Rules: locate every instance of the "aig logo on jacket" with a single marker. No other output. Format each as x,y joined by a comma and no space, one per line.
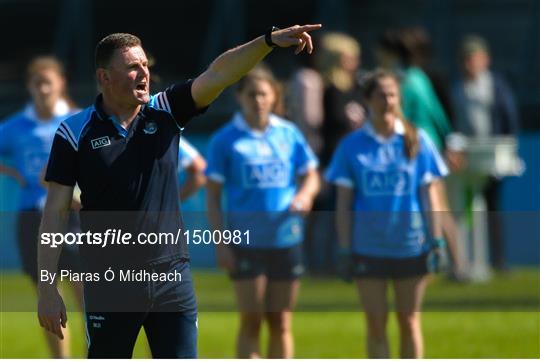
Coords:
100,142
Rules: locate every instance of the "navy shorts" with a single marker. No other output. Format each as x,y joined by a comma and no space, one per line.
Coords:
383,267
27,238
280,264
116,311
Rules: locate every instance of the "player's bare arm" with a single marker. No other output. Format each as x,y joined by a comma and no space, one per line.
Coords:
224,256
310,186
195,178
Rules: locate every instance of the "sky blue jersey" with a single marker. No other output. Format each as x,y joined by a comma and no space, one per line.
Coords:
25,144
258,170
387,210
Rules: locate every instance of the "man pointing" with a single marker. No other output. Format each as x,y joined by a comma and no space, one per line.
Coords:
123,153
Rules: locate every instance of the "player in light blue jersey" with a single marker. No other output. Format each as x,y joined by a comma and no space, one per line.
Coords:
268,174
381,171
25,143
191,162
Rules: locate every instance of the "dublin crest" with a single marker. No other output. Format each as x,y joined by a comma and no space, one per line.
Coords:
150,128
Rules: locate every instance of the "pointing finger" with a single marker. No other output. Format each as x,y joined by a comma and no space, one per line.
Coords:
306,28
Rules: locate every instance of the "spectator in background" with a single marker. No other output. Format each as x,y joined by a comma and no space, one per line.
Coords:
324,98
25,142
484,106
418,40
304,103
333,102
268,173
398,50
483,102
339,60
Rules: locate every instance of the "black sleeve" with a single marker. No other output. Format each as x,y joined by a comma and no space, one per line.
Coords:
181,103
62,165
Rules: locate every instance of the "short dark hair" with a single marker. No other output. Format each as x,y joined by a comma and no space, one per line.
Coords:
106,47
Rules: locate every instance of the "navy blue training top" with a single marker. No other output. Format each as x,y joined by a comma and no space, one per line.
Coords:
127,177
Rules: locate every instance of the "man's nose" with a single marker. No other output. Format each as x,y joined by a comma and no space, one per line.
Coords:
44,89
144,71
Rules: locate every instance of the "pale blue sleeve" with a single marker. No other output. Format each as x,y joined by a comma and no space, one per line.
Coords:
217,158
339,171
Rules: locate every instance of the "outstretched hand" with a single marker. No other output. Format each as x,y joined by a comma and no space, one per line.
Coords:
295,36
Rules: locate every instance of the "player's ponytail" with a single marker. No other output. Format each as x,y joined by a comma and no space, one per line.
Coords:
411,141
410,138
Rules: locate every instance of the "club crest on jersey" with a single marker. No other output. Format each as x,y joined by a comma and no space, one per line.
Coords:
150,128
100,142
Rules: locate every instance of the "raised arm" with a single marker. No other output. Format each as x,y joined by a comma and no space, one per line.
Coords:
232,65
51,309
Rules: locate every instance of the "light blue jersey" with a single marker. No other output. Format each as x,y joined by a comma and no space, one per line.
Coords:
387,209
25,144
186,154
259,171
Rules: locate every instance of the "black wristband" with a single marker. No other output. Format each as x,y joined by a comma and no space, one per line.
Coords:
268,37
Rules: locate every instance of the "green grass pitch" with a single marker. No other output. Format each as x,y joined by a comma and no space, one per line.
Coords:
498,319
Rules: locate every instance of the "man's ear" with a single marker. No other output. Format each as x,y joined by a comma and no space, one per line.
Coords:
102,76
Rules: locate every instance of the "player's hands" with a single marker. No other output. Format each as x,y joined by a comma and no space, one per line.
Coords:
225,258
301,203
52,311
295,36
435,260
